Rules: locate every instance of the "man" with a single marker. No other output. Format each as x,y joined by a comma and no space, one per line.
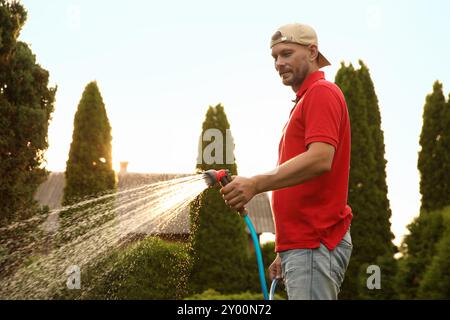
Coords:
310,183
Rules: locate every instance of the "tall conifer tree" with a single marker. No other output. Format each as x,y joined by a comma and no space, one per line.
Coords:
218,237
433,160
421,248
372,237
89,167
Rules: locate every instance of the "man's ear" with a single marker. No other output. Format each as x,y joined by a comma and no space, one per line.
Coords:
313,52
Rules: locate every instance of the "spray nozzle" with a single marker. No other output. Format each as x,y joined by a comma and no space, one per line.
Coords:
222,176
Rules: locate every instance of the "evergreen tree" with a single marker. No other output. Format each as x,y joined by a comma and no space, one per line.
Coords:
381,189
371,234
421,247
433,162
218,238
89,167
26,104
385,256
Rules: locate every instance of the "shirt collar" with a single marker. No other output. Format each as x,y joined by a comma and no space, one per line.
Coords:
310,79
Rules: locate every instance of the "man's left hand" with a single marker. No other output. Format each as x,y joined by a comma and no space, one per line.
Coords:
239,192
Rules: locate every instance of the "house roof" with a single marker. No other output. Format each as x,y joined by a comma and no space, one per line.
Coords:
260,213
50,193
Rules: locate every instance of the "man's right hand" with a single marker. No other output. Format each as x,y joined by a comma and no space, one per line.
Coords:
275,268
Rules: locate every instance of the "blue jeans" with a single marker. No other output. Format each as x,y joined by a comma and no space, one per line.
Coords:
316,274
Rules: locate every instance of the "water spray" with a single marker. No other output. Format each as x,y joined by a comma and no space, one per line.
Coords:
223,177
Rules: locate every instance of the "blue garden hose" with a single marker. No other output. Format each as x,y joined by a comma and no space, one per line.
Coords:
272,289
223,177
262,276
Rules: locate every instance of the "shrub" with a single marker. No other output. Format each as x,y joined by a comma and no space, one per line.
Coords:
149,269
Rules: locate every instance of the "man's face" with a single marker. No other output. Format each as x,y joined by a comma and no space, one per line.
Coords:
291,63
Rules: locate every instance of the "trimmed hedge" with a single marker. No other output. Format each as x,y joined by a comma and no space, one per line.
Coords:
211,294
149,269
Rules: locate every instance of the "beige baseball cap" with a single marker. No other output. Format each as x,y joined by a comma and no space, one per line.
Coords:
301,34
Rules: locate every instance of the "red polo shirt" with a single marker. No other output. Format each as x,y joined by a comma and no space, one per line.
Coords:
315,211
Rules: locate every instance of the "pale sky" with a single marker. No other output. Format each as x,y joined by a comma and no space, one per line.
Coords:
160,64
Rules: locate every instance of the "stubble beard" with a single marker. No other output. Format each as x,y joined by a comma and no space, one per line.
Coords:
296,78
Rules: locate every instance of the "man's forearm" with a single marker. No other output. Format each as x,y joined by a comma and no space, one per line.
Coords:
297,170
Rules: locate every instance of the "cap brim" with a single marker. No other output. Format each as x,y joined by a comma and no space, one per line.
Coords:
323,62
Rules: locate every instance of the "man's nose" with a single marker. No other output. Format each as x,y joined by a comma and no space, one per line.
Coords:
278,64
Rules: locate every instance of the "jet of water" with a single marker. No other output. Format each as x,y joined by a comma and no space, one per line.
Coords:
90,230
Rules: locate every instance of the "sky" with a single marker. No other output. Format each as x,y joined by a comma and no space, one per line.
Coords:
160,64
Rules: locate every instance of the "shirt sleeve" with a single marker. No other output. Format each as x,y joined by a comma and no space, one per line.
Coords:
322,114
